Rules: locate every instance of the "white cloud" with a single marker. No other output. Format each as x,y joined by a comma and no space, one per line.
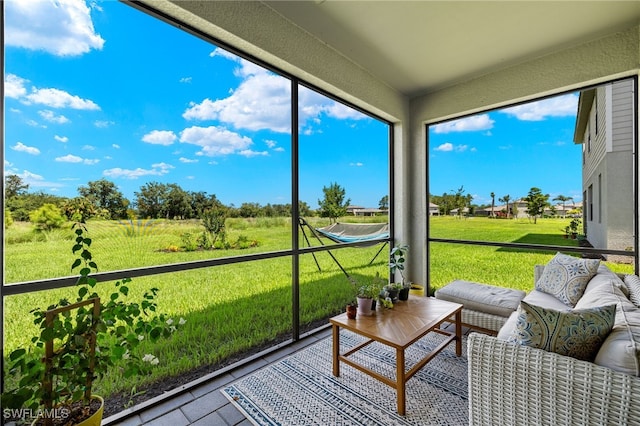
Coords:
102,124
262,101
62,27
215,140
160,137
115,145
467,124
88,148
560,106
62,139
445,147
69,159
251,153
357,164
75,159
14,86
187,160
57,98
186,79
448,147
270,143
24,148
158,169
53,117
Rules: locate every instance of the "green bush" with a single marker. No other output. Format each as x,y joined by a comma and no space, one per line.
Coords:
8,220
47,217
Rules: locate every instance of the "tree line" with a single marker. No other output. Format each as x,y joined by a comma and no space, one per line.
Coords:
101,199
537,203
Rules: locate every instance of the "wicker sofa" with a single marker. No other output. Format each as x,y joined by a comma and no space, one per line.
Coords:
513,384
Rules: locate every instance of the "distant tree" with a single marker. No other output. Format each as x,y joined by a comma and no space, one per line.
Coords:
250,210
78,209
24,203
459,201
536,202
200,202
47,217
493,203
14,186
383,204
104,195
177,203
333,205
303,209
151,199
563,199
506,200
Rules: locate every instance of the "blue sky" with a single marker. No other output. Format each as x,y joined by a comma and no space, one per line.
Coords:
509,151
101,90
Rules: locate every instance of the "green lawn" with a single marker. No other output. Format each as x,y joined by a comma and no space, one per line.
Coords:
232,308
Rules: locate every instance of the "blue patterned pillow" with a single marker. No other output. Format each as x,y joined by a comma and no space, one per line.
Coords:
566,277
578,333
633,285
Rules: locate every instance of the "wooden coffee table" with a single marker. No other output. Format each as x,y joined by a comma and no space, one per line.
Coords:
399,328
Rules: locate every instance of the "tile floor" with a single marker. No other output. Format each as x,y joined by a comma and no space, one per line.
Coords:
201,403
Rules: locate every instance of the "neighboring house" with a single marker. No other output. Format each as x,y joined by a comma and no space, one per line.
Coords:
605,128
364,211
434,209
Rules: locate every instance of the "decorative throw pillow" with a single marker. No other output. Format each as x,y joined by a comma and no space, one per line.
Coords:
578,333
566,277
633,285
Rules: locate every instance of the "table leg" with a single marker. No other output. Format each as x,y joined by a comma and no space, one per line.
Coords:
400,381
336,350
459,333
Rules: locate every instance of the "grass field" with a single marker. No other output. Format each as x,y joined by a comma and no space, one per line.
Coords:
232,308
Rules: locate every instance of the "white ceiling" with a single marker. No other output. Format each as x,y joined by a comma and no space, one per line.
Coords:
420,46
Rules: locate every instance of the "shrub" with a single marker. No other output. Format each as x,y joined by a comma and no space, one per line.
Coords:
47,217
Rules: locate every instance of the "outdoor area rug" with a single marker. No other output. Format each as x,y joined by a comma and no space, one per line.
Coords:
301,389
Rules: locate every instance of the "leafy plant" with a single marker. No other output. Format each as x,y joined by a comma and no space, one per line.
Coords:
368,289
397,258
84,340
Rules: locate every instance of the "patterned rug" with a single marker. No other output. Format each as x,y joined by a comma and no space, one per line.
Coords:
301,389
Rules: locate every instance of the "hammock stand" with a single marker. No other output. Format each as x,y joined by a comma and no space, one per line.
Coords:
365,234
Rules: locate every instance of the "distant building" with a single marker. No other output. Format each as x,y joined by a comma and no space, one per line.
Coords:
364,211
434,209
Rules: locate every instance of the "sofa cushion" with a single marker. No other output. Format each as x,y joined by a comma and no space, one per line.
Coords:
633,286
482,297
621,349
566,277
575,333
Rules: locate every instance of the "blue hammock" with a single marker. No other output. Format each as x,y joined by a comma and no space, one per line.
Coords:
355,232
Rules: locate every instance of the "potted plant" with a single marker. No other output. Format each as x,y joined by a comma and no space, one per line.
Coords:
397,258
366,293
81,341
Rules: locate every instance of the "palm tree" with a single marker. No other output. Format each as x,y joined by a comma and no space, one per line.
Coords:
493,203
563,199
506,199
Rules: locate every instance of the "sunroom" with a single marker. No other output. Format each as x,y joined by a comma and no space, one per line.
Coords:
398,72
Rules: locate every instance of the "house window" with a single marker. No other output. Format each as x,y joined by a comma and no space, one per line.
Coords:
599,200
590,201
